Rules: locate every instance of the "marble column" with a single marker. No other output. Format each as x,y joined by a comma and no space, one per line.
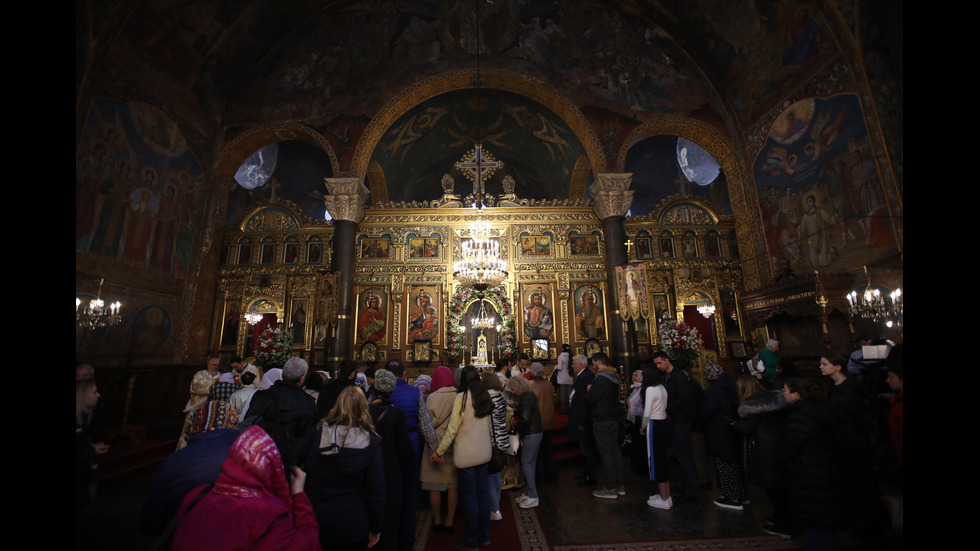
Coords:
345,203
612,201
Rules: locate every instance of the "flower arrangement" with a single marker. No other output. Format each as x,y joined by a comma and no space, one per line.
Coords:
496,296
679,341
275,347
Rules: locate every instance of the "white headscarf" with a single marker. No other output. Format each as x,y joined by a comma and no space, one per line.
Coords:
271,376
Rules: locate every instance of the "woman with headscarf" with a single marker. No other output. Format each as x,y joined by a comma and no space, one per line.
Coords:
469,433
424,383
501,440
722,441
396,450
211,415
527,422
252,505
346,474
440,477
269,379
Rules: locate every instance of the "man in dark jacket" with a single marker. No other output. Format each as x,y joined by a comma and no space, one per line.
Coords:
607,413
579,424
346,374
285,411
682,411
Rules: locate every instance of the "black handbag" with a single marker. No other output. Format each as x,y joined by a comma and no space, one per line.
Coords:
497,460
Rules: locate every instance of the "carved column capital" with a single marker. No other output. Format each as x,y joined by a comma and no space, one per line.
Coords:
345,199
612,194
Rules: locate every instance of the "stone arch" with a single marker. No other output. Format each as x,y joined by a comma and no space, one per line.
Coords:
238,150
460,80
747,223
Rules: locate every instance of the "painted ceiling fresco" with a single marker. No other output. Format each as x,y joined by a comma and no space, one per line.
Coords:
236,64
537,147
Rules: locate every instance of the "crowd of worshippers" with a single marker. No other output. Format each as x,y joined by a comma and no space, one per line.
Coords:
294,458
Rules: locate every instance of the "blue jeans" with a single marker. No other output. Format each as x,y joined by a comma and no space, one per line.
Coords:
607,442
474,494
529,462
493,481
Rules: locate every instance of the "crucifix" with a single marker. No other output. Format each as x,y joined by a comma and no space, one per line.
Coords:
274,185
629,247
477,167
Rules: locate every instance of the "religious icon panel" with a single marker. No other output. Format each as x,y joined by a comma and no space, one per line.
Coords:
538,317
372,315
590,313
424,306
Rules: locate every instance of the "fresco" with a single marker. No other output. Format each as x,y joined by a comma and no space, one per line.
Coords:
537,147
135,185
821,198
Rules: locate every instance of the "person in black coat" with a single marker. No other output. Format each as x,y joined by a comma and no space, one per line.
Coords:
396,455
848,415
761,416
813,473
723,442
579,422
285,411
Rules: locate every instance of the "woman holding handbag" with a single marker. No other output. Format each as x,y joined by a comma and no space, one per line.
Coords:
469,434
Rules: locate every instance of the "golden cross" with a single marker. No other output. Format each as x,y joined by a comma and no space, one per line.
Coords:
629,248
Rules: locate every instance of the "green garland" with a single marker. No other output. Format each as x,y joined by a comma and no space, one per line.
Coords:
496,296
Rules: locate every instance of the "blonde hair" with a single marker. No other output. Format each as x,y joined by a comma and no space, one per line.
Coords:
519,385
83,414
351,410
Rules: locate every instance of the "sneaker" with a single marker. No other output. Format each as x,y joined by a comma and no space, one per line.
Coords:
621,490
495,515
521,499
529,503
726,503
606,493
658,502
776,530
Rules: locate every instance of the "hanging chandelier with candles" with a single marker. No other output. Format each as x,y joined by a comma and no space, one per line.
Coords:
872,304
482,320
480,265
706,309
95,313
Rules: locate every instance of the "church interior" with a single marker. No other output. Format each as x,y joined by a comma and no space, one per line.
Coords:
322,170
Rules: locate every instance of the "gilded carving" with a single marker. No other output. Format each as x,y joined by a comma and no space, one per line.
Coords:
612,194
346,198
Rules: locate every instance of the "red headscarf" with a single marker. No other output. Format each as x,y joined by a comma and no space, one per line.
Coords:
441,377
254,469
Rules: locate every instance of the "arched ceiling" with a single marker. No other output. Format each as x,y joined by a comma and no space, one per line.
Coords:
348,70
